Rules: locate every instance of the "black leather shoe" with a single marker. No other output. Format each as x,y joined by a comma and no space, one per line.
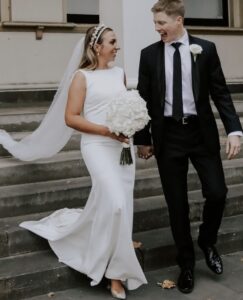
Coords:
185,281
213,260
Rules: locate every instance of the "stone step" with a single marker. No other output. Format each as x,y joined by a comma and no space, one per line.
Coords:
43,196
43,98
18,99
221,129
237,96
26,119
159,250
66,164
149,213
238,107
21,119
20,276
39,196
72,144
49,195
152,212
34,274
208,286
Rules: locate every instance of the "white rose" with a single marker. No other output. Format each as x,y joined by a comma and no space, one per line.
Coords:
195,50
127,113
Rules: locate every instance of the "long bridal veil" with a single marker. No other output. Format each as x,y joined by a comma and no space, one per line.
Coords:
52,134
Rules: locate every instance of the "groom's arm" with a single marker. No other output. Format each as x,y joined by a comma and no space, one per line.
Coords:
221,97
220,94
143,137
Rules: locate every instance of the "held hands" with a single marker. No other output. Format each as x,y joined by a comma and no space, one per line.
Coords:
232,146
145,152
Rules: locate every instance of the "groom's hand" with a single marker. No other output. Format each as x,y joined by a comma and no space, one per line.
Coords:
232,146
145,152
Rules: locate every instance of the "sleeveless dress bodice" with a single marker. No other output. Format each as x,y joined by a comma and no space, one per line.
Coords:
102,88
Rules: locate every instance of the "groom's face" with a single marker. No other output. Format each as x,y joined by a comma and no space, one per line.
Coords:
170,28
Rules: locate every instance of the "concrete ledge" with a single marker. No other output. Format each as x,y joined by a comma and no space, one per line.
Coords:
215,30
31,95
49,27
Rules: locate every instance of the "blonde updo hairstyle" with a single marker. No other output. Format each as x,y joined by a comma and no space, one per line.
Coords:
89,59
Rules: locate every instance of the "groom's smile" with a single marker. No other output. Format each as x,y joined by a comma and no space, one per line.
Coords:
163,35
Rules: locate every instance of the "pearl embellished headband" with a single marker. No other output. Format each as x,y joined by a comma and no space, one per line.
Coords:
96,34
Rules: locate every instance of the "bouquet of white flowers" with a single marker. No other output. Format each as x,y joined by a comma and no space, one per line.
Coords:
127,114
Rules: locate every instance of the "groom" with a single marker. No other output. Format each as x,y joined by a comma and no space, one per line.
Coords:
176,79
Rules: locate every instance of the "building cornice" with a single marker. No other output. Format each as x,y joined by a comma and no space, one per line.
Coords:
215,30
82,28
45,27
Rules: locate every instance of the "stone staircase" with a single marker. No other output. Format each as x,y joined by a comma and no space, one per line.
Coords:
30,191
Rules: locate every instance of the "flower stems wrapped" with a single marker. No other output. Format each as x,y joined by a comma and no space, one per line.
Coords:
126,156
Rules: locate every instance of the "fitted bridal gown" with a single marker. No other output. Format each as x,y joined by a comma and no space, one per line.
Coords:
97,240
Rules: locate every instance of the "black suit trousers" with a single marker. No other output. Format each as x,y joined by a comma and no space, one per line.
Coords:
182,143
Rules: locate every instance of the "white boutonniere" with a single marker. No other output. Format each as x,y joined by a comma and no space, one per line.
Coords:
195,50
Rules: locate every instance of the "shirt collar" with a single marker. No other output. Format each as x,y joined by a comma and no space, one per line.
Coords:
184,39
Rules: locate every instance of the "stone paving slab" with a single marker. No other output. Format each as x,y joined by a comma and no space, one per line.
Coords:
208,286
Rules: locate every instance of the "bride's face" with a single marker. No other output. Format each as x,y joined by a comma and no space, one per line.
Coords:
108,48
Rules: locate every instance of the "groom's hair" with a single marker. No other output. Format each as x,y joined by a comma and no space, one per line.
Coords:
170,7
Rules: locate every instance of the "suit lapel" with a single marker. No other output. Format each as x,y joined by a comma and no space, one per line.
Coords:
195,73
161,72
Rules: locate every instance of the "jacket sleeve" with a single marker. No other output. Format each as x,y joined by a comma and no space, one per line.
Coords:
143,137
221,95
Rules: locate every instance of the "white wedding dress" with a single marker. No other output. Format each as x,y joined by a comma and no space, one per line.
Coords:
97,240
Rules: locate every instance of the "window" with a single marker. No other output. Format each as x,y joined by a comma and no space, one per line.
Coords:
207,12
33,11
83,12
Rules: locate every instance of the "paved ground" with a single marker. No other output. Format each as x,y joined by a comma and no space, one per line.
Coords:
208,286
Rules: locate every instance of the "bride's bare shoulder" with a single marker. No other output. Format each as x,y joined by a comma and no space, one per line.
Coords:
77,84
79,78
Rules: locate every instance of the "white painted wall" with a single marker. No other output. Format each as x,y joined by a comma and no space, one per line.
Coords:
139,32
28,63
230,50
133,22
115,21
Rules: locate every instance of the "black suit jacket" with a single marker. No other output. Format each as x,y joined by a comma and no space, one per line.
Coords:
207,79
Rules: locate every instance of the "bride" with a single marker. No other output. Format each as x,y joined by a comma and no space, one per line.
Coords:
97,240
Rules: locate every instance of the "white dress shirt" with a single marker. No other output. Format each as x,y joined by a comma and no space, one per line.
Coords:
189,107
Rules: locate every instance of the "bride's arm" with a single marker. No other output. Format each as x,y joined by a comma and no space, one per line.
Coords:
74,108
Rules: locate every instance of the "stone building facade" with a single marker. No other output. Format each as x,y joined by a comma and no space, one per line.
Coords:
37,36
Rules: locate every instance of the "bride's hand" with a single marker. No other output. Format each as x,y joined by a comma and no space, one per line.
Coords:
121,138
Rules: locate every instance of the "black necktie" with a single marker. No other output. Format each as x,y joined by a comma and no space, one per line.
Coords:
177,107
